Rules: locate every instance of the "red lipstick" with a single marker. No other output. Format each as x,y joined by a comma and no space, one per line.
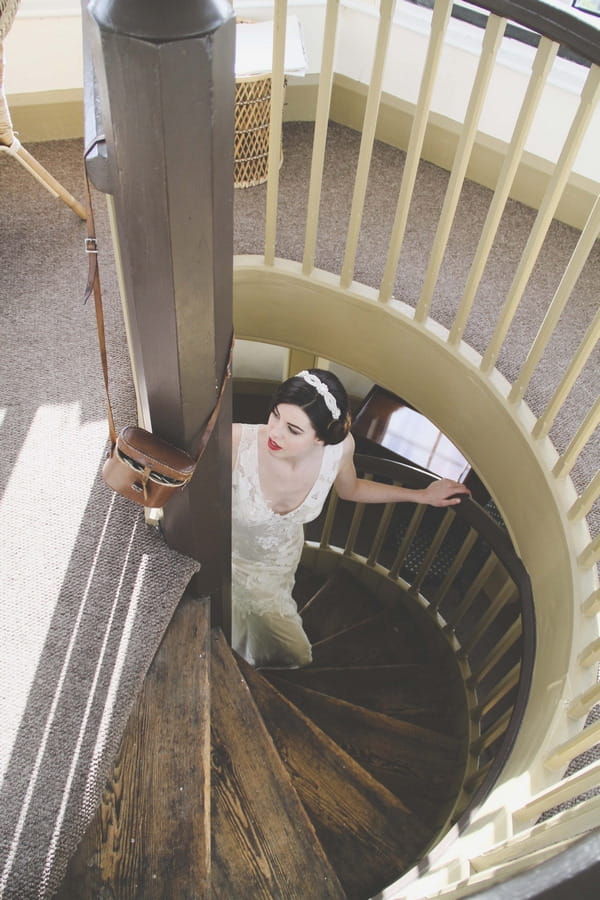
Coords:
272,445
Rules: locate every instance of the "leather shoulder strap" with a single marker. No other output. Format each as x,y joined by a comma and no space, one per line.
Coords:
93,287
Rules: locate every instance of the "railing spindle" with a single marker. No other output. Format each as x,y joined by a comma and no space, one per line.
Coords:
439,23
506,642
581,705
567,751
578,442
504,686
542,64
578,361
590,654
277,96
411,531
591,607
381,533
585,779
583,505
491,44
491,735
476,586
366,143
556,185
320,136
584,246
432,551
502,598
591,555
457,564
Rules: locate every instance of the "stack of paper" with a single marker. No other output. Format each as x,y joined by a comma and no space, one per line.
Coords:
254,48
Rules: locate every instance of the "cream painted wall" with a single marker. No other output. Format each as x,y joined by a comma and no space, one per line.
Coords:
43,48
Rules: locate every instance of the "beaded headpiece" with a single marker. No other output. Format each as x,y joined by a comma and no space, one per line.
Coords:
323,390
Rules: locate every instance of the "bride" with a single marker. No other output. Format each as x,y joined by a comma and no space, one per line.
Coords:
282,474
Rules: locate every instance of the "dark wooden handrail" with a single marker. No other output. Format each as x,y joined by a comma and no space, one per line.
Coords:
577,31
499,542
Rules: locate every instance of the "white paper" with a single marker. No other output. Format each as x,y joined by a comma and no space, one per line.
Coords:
254,48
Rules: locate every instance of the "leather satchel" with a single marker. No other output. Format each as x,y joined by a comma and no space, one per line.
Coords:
140,465
145,468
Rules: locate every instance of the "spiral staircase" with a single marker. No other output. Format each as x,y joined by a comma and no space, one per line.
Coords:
439,744
330,780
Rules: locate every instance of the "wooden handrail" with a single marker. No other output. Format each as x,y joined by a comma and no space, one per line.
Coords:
501,724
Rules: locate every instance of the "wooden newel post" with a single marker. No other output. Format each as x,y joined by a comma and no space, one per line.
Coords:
160,77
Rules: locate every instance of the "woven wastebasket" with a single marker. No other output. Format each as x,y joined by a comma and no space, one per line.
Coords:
252,125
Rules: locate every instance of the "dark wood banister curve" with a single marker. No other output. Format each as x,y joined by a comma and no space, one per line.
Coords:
580,33
476,517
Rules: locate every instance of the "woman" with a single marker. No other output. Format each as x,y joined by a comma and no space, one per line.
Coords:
282,474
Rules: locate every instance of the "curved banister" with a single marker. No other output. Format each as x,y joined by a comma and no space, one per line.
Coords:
578,32
506,721
541,494
468,510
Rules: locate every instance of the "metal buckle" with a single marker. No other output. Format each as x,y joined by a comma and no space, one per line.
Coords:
91,245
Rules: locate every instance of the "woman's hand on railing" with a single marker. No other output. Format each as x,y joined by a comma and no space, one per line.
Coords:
444,493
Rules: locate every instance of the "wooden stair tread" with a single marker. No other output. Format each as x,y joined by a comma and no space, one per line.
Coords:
354,603
369,835
263,843
407,691
306,585
151,830
385,638
415,763
421,767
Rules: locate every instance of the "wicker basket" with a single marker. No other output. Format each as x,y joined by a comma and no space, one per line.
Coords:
252,122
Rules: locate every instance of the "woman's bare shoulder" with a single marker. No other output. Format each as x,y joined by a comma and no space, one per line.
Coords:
348,446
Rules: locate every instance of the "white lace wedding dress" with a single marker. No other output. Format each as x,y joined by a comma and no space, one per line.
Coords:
266,550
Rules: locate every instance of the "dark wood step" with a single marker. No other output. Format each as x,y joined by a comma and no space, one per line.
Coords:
150,835
384,639
341,602
410,692
307,583
369,835
263,843
422,766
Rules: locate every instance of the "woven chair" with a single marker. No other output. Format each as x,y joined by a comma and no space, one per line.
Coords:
9,142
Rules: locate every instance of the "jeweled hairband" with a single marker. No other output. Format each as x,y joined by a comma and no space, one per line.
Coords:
324,391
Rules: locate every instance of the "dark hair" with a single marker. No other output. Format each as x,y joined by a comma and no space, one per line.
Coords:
297,392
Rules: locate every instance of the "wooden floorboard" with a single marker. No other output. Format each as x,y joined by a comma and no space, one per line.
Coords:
150,837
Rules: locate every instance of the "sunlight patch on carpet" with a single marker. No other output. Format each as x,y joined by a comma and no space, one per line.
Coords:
50,486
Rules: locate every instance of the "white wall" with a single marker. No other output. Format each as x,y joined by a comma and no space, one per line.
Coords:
43,51
43,48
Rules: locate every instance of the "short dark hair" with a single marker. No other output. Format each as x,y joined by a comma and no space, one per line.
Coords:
297,392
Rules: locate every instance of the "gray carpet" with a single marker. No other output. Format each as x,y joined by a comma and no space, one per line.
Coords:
87,589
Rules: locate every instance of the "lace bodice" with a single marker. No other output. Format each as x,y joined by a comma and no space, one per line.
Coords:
266,546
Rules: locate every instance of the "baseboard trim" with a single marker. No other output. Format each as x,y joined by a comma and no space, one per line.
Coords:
348,101
47,115
58,115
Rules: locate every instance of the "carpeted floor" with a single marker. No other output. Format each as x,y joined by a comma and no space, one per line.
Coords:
87,588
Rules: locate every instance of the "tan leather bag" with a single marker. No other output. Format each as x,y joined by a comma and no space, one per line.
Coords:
141,465
146,469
